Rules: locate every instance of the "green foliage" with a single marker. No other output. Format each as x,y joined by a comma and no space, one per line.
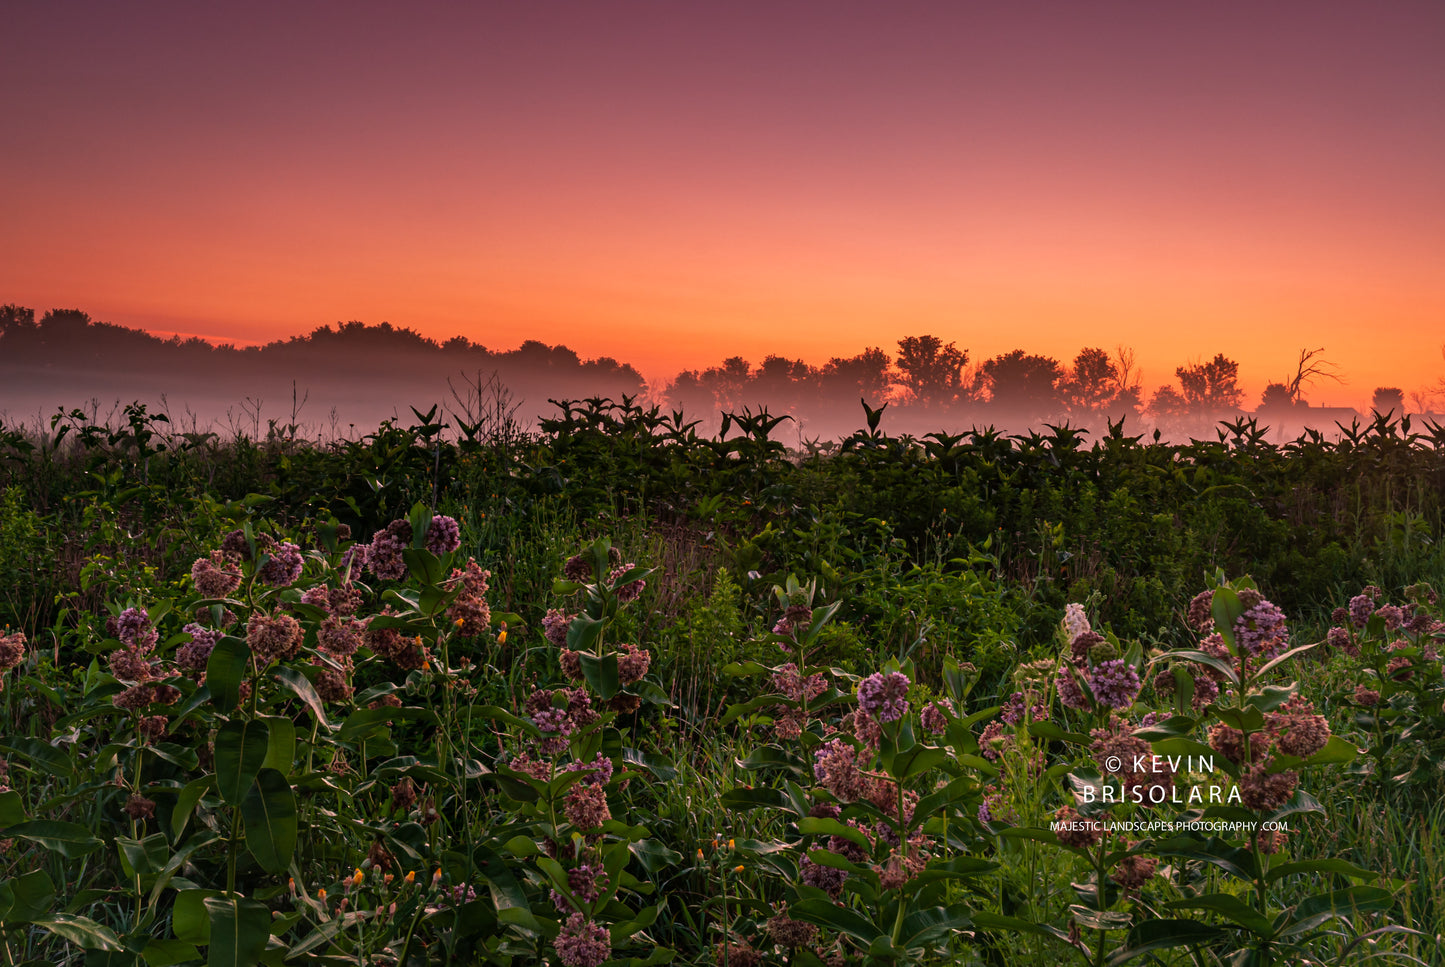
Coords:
434,776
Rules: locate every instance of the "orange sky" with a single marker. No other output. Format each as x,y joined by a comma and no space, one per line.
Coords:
673,183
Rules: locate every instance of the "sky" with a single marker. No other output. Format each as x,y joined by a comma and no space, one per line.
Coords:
670,182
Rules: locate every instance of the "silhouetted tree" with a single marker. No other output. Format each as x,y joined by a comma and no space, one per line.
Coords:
1211,387
728,383
1309,369
931,373
1276,399
16,319
1023,384
688,393
1091,383
783,384
1388,399
864,375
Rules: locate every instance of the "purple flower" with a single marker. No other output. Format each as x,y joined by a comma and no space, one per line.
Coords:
383,557
554,626
1017,707
795,617
1393,616
194,655
1361,607
1260,630
444,535
133,627
630,591
1115,683
884,695
1070,694
553,720
583,943
599,770
460,894
283,565
935,715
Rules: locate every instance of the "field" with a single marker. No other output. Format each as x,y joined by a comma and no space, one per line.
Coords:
614,692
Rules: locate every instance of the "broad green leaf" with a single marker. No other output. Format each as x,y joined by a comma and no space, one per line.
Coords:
927,926
916,760
984,920
240,928
165,953
1152,935
823,826
226,670
601,673
269,816
241,747
1231,907
506,889
70,840
1175,726
425,566
363,723
827,914
1320,866
280,744
143,856
1274,662
753,799
190,920
26,897
583,633
1092,919
81,931
41,755
304,690
186,803
1348,902
654,856
12,808
660,766
1048,730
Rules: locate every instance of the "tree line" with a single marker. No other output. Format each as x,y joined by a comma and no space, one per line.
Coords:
925,377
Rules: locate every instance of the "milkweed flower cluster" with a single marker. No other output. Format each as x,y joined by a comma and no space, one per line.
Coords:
216,575
443,536
1114,683
554,626
1260,631
630,591
283,565
884,695
583,942
12,653
1023,706
469,612
586,881
273,637
384,553
1091,672
794,617
407,653
1120,754
131,662
194,654
558,713
936,715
